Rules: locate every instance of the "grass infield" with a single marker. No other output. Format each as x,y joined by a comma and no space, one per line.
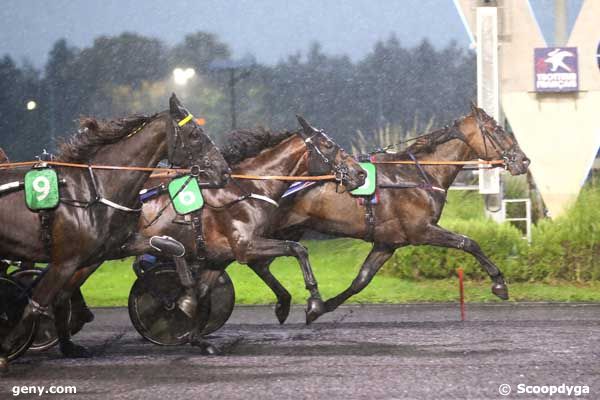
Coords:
335,263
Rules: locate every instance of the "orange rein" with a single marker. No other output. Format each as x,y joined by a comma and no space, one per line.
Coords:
408,162
165,172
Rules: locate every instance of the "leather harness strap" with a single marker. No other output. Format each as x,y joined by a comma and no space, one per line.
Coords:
369,218
198,235
46,218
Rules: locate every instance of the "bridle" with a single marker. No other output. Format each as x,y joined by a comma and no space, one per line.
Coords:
196,166
340,170
508,154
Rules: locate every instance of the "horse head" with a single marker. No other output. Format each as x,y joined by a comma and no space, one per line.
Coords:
327,157
189,146
490,141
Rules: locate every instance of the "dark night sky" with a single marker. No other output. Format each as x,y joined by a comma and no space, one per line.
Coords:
268,29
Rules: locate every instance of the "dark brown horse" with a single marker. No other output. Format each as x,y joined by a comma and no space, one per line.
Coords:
238,223
403,217
99,209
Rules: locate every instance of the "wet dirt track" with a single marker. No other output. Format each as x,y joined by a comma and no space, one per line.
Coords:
371,352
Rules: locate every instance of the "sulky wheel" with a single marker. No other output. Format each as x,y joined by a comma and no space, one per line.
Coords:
154,312
13,300
222,300
45,336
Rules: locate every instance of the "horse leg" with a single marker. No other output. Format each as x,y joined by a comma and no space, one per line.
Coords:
379,254
43,295
438,236
284,298
4,268
204,285
261,248
80,310
61,313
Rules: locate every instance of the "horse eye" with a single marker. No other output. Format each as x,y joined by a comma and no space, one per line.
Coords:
327,144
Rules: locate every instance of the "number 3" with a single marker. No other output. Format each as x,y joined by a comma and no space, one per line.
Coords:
41,185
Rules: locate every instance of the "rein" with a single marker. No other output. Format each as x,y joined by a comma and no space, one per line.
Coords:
166,171
408,162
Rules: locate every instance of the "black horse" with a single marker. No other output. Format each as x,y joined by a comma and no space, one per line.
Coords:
98,209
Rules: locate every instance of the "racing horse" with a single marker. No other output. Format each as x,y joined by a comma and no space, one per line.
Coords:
98,209
24,276
238,220
411,200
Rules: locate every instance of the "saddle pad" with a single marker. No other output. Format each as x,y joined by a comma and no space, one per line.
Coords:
185,194
149,194
368,188
296,187
41,189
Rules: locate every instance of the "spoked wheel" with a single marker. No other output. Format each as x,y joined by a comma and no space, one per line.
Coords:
153,306
45,336
13,300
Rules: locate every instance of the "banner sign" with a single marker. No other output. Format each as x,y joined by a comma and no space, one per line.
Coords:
556,69
41,189
368,188
185,194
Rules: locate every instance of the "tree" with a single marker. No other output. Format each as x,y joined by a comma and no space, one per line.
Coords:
197,51
22,131
62,87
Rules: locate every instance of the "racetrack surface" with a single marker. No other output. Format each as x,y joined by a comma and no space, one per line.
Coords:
369,351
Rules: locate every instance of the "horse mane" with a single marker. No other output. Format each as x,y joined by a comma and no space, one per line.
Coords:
245,143
428,142
93,134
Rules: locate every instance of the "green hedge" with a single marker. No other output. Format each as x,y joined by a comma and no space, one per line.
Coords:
566,248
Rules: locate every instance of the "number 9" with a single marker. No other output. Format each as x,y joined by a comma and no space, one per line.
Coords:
41,185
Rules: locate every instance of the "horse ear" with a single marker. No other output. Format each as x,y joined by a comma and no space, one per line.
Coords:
308,129
474,108
176,108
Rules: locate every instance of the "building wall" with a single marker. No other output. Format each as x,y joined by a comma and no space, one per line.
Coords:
559,132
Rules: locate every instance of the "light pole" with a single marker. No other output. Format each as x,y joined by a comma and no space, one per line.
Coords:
244,66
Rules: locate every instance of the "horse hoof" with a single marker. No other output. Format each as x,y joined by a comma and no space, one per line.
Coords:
206,348
314,310
85,315
3,365
72,350
500,290
282,311
188,304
